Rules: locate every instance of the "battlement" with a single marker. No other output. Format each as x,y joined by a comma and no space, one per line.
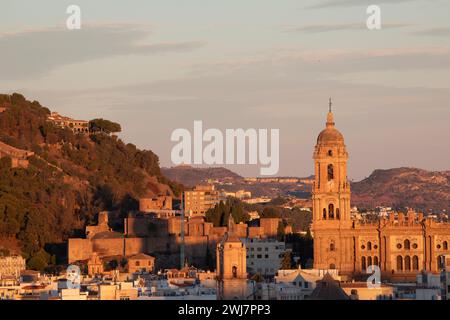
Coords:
19,157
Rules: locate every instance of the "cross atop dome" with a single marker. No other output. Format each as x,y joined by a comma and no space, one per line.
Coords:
330,117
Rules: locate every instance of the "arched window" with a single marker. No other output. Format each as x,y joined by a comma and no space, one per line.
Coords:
399,263
407,244
415,263
369,261
445,245
324,214
407,263
338,214
375,261
331,211
439,262
369,245
363,264
332,248
330,172
234,272
330,153
332,266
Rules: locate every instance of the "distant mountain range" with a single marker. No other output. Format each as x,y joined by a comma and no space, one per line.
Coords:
404,187
428,191
191,176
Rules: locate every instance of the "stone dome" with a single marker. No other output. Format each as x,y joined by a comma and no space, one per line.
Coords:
330,135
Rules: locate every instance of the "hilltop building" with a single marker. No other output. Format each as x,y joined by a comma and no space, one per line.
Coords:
77,126
401,247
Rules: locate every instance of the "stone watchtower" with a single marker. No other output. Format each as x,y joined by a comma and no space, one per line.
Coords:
231,255
332,224
232,266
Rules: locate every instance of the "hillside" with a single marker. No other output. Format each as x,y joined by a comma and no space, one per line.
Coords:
404,187
190,176
69,179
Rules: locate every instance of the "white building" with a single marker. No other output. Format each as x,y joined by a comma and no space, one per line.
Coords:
73,294
296,284
264,256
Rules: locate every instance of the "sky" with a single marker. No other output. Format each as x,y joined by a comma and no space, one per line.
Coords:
158,65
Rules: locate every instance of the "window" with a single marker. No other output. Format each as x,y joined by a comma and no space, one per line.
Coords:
259,256
375,261
415,263
407,263
324,213
330,172
363,264
331,211
234,270
399,246
330,153
369,245
332,248
338,214
332,266
399,263
445,245
369,261
266,256
407,244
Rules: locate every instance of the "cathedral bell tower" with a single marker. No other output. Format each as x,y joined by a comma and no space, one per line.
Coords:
331,200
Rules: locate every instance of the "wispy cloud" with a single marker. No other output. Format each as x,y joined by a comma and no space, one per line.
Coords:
437,32
35,52
350,3
318,28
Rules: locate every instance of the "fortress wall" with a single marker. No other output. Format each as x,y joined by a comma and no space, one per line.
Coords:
270,226
135,246
108,247
78,249
241,230
160,244
137,226
255,232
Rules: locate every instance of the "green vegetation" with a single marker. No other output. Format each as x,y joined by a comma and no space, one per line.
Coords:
220,214
288,261
106,126
71,178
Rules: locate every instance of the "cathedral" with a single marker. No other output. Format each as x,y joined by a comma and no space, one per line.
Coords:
401,245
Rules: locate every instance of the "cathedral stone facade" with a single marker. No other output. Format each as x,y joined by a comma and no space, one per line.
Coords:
402,245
